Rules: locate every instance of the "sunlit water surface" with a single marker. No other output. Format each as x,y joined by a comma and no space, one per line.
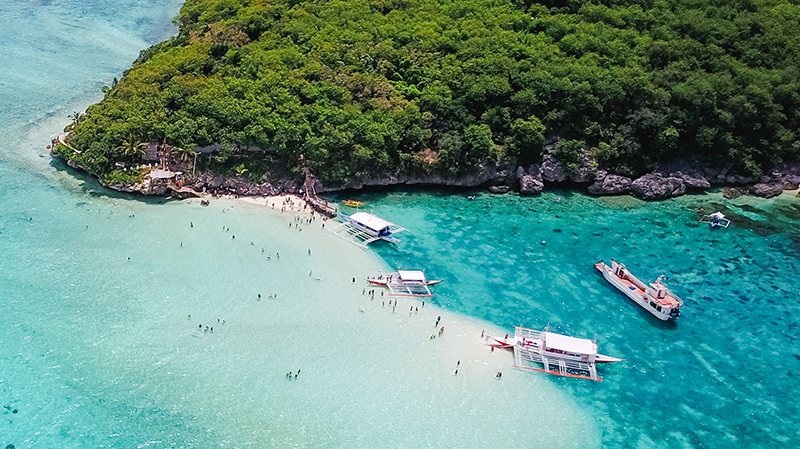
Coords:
102,297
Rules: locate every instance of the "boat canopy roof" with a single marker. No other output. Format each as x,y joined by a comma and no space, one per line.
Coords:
411,275
569,344
371,221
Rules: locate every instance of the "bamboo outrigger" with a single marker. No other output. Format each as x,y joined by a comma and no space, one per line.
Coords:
558,354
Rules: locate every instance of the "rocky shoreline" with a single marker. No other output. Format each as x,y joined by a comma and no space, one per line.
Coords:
665,181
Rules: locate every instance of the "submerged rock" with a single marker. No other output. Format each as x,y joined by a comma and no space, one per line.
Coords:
656,186
733,192
500,189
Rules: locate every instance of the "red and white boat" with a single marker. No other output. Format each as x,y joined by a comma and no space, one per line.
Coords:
656,298
558,354
405,283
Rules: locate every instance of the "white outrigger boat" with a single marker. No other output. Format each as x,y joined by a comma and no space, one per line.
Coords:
570,356
405,283
363,228
655,298
716,219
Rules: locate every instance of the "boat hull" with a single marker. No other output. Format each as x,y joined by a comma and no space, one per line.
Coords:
382,282
636,295
371,232
511,342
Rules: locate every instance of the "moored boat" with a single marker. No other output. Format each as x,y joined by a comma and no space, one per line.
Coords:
405,283
373,227
655,298
570,356
716,219
353,203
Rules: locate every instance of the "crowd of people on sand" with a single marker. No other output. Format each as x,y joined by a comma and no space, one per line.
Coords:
414,309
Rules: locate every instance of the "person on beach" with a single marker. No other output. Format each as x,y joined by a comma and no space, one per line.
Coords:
439,318
441,331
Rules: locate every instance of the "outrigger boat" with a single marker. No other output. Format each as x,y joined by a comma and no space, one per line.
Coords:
405,283
570,356
716,219
353,203
363,228
655,298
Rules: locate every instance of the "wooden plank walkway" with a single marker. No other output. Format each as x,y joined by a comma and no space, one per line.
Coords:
316,203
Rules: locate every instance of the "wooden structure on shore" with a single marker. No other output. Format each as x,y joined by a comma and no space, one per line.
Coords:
316,203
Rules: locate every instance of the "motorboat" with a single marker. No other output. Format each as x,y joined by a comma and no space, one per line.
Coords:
656,298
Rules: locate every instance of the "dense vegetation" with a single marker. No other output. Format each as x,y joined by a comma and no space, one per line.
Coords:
442,85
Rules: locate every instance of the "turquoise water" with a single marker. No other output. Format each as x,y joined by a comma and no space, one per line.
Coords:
716,378
101,296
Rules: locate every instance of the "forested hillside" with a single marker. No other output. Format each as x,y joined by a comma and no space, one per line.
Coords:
442,85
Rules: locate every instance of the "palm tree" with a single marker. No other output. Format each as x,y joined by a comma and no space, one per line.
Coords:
132,147
240,170
75,117
185,153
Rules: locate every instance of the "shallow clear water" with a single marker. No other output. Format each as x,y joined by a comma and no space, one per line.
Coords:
101,296
716,378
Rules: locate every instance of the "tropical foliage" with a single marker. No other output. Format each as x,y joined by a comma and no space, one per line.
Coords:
378,85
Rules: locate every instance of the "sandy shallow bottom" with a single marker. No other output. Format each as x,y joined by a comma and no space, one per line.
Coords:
121,344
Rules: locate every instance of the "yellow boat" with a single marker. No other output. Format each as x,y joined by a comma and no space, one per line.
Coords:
353,203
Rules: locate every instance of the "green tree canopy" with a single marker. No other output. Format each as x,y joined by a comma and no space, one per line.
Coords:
369,85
